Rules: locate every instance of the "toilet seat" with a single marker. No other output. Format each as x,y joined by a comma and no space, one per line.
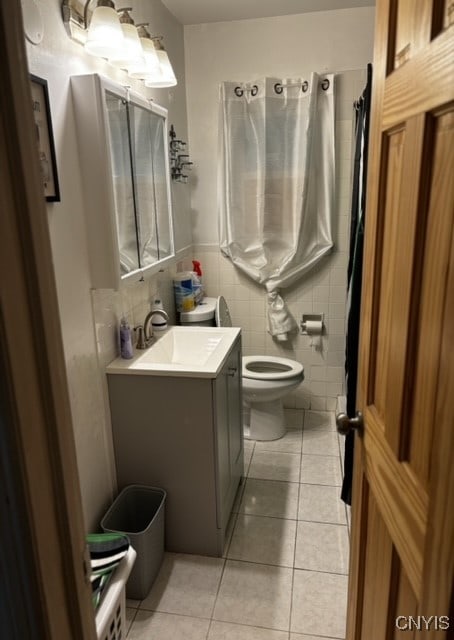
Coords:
270,368
222,314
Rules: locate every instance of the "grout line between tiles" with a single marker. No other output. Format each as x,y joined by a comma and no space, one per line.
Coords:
175,613
330,573
131,622
296,531
335,524
317,484
255,626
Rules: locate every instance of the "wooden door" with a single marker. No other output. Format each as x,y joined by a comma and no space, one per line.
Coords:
401,566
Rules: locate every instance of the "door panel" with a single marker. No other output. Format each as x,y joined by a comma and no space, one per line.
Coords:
402,526
448,14
430,314
378,568
405,600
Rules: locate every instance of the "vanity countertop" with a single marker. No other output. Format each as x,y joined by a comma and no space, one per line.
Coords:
197,352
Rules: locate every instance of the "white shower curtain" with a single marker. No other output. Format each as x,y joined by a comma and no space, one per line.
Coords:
276,182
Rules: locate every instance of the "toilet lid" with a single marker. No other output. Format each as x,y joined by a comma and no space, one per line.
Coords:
270,368
222,313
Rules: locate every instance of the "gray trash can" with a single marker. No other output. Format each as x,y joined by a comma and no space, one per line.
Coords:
138,511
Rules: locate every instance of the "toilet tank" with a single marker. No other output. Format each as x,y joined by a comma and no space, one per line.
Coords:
202,316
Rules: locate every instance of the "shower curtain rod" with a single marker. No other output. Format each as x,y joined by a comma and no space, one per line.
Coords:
278,87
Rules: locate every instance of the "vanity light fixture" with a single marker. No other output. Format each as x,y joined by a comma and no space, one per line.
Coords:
149,66
114,37
165,77
131,52
104,36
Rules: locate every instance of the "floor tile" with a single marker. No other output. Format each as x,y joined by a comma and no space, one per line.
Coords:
162,626
249,445
255,594
322,443
316,469
319,604
248,451
229,631
289,443
270,498
321,420
186,584
130,614
342,452
319,503
294,418
238,497
267,540
228,533
133,604
271,465
322,547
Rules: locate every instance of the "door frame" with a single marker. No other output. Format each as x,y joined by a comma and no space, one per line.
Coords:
42,535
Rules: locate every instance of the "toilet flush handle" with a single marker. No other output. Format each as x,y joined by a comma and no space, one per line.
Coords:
231,371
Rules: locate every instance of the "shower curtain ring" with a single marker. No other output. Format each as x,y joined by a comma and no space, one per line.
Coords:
278,87
238,91
325,84
254,90
305,86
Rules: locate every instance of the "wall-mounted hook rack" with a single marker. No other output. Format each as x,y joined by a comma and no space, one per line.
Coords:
179,162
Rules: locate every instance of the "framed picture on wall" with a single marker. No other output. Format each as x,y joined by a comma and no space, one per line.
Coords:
45,138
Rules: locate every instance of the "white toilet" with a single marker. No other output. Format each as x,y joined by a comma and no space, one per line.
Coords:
265,379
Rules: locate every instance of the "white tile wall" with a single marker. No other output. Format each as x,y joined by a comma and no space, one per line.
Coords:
321,291
134,302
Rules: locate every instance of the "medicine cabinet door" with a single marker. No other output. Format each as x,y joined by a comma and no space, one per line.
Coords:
122,182
161,172
151,184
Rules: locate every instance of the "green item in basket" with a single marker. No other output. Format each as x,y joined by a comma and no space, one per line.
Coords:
106,552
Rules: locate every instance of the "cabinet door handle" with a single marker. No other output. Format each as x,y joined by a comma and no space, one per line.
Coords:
231,371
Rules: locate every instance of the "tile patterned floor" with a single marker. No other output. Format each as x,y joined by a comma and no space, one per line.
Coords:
284,571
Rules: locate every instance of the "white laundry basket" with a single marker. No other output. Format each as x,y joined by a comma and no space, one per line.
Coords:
111,614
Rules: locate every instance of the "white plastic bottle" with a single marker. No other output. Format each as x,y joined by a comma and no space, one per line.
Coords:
126,349
158,321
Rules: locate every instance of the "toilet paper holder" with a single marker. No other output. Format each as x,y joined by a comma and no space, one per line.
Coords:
312,317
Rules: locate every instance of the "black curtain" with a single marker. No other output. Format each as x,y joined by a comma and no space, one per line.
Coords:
355,271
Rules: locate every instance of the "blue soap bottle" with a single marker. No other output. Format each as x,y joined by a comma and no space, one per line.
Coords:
126,349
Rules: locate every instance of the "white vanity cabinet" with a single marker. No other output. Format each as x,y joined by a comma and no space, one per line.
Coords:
124,157
183,433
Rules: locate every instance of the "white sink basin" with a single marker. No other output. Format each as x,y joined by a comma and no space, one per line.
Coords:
181,351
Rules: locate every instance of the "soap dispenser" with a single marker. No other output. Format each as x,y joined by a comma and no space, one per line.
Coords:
126,349
158,320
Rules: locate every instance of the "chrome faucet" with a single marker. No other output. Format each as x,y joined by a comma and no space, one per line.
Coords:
145,333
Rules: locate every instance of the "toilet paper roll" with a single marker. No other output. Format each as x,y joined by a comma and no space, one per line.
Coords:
314,328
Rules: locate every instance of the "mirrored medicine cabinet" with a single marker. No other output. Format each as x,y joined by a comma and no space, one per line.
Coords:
123,148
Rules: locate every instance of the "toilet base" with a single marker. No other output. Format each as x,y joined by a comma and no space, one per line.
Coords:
266,421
